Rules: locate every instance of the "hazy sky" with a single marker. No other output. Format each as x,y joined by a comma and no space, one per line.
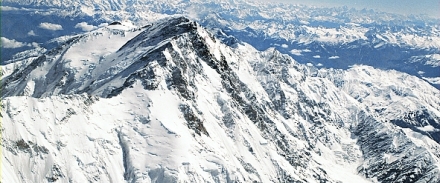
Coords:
429,7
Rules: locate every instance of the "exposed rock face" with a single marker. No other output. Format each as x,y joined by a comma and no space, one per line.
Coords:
170,103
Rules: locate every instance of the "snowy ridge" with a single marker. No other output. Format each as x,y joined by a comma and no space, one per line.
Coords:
169,102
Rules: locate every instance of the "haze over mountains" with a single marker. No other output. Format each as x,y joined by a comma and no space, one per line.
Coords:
217,91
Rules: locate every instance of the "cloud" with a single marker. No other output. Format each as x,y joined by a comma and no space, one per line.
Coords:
84,26
103,25
304,22
50,26
295,52
317,56
8,8
31,33
34,44
11,43
333,57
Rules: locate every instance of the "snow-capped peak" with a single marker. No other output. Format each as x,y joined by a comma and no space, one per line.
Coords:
169,102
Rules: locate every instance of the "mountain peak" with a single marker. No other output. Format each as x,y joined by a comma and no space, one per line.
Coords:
98,61
169,102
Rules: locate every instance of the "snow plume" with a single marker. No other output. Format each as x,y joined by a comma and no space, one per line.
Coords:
84,26
197,12
192,12
11,43
50,26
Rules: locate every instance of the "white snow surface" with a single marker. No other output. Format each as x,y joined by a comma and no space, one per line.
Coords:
175,120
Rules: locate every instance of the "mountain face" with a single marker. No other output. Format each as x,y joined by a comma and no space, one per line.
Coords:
173,102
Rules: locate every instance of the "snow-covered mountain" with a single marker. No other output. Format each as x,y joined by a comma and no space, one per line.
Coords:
325,37
171,101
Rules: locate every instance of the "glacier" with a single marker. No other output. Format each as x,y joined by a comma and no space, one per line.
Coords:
175,101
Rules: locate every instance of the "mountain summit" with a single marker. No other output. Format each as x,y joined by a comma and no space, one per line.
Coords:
170,102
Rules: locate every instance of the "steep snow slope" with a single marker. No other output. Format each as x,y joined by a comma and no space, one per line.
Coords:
169,102
73,63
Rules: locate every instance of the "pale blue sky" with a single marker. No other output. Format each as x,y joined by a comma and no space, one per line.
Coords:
429,7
